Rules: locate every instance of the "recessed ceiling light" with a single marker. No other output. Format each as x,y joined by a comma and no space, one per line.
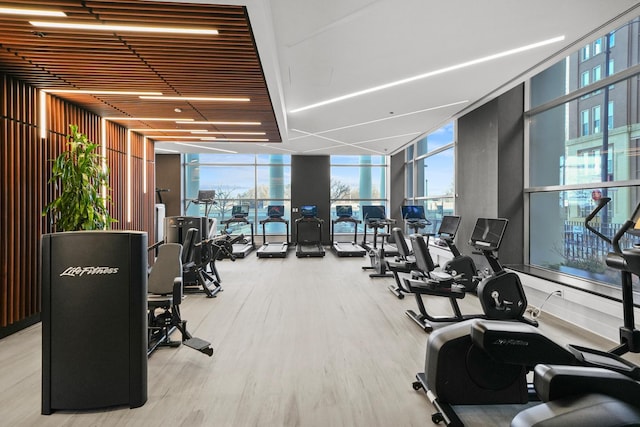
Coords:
124,28
195,98
212,138
207,148
102,92
148,130
206,132
149,119
430,73
184,122
32,12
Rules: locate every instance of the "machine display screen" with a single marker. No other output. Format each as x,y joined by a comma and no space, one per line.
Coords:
275,211
206,195
449,225
488,232
413,212
239,211
344,211
309,211
373,212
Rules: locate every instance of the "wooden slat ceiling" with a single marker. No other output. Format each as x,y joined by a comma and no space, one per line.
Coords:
223,65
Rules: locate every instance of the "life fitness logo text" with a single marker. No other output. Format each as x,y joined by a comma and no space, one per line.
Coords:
88,271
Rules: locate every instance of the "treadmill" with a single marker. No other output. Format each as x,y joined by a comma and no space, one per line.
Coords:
242,247
375,217
311,246
346,249
275,213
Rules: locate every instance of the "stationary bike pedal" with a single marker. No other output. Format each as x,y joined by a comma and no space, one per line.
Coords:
197,344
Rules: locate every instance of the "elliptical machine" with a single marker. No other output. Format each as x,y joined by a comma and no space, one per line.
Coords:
480,362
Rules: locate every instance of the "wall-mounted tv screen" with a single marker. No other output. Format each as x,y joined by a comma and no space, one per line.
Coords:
275,211
239,211
412,212
344,211
488,233
449,225
374,212
309,211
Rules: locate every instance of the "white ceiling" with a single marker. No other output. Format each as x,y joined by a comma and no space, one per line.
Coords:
316,50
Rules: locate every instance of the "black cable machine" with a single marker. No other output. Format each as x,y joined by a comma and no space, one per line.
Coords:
275,214
351,248
242,246
310,247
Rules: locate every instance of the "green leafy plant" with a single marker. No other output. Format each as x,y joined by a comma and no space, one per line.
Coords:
81,176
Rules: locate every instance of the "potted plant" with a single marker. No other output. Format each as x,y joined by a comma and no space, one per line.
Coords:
80,173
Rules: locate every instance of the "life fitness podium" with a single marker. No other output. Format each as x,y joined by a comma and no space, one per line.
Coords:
94,320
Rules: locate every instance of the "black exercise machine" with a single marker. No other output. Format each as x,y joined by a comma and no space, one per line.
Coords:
414,218
405,262
312,246
239,217
275,214
375,218
351,248
460,265
163,302
501,294
479,362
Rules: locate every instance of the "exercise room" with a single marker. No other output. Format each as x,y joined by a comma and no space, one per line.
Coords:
303,213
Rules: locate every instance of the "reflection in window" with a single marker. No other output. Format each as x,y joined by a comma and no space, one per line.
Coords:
559,240
569,145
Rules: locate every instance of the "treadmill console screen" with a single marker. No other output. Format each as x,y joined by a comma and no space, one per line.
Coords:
449,225
240,211
309,211
488,232
373,212
413,212
275,211
206,195
344,211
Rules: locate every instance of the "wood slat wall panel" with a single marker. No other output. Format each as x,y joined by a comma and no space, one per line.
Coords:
24,190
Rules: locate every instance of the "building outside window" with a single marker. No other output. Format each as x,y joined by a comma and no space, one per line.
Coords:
248,180
432,174
577,155
357,181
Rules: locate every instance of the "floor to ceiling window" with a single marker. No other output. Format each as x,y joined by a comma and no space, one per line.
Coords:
357,181
430,174
251,181
583,130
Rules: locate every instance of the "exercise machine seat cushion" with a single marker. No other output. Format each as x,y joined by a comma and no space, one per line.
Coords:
582,410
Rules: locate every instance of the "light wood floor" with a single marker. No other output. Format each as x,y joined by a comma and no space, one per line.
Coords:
298,342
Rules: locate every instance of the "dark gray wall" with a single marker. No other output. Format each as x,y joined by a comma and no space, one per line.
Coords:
396,185
311,185
490,176
168,176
